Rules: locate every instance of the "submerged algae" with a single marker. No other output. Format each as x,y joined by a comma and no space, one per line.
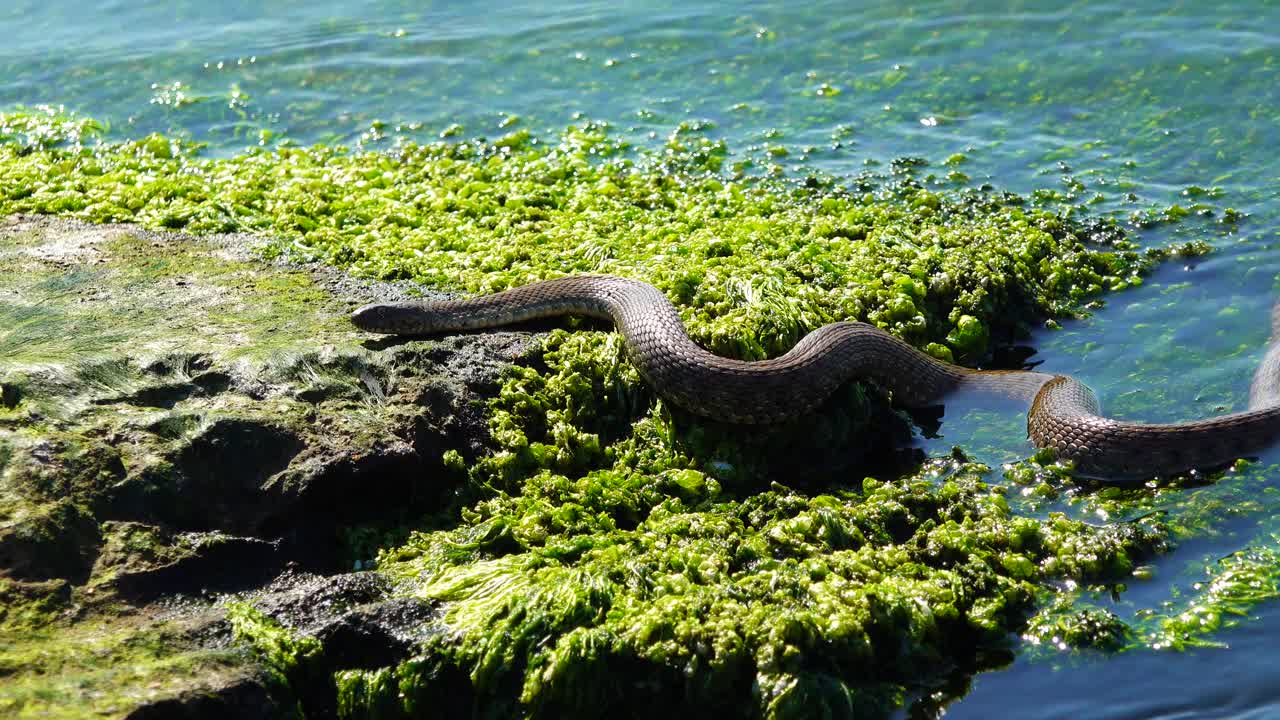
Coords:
1209,593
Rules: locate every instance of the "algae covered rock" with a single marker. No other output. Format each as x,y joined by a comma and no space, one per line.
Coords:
196,449
179,418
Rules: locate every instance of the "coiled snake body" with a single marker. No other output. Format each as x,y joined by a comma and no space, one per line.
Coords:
1063,413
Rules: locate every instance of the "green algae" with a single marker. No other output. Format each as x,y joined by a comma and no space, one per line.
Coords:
607,546
709,596
1232,586
1223,597
1208,595
161,385
100,666
1064,623
753,264
637,552
289,658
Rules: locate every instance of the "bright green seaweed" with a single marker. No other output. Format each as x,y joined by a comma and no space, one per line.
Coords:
805,595
753,264
610,551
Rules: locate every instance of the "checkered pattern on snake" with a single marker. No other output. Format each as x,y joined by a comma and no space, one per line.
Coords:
1063,413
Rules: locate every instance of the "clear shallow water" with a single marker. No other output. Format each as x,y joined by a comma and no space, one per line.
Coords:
1124,105
1212,684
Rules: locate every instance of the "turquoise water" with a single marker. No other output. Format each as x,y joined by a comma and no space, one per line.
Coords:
1121,109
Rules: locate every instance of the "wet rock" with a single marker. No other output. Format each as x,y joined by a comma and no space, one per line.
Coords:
141,562
306,602
245,698
377,635
179,418
47,541
357,621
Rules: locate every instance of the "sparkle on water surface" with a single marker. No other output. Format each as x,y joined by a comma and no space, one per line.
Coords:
1116,108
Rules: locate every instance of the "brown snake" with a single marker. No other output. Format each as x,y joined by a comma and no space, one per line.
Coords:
1063,413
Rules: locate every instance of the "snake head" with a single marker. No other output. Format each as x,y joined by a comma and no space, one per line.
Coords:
400,318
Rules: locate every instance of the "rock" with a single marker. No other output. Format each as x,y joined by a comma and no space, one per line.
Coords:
142,562
162,379
355,616
180,418
305,603
376,635
248,697
49,541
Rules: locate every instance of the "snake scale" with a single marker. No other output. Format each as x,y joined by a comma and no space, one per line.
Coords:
1064,414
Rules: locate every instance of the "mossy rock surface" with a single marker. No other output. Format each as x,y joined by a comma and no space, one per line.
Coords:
181,419
196,448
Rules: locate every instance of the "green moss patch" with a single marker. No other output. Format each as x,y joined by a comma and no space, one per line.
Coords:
103,667
753,264
175,415
148,293
772,605
607,554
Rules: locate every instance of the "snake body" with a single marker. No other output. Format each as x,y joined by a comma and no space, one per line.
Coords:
1064,414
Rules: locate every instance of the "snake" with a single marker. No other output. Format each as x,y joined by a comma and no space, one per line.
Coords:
1064,414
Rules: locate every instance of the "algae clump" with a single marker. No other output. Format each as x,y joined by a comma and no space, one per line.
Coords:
608,554
739,605
753,263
